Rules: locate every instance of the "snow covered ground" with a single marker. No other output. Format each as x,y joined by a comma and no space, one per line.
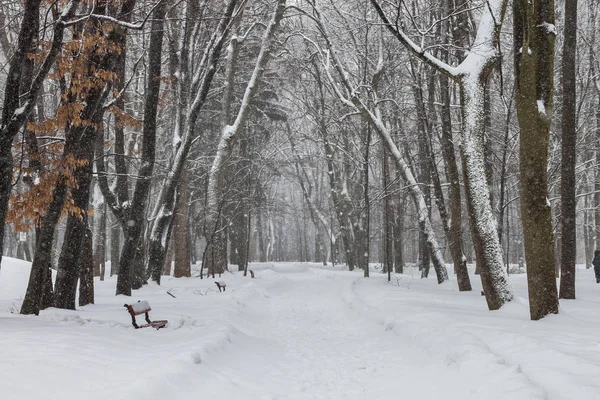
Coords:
300,331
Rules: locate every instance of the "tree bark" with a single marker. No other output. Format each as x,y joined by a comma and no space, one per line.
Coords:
181,231
569,140
534,79
455,241
115,247
86,275
70,256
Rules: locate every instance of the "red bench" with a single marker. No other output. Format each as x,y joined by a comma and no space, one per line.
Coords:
221,285
143,307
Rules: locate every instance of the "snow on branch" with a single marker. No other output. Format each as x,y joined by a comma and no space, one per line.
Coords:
129,25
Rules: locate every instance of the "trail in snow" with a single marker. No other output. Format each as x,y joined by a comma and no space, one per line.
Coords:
301,332
324,343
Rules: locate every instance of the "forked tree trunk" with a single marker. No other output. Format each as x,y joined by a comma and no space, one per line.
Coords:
70,256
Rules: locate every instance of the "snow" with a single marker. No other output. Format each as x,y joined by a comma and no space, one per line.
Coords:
548,28
301,331
541,108
140,307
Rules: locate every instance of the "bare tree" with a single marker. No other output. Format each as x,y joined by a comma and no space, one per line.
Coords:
472,76
569,140
534,35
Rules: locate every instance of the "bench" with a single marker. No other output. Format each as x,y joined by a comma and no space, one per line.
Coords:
221,285
143,307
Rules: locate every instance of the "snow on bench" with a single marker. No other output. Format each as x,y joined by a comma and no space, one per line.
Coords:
143,307
140,307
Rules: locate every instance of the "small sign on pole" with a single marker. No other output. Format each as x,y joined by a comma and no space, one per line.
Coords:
22,236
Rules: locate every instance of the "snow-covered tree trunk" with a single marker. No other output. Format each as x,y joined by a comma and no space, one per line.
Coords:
484,226
216,179
453,176
471,75
374,118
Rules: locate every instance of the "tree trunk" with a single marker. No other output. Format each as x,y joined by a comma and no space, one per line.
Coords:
40,267
130,263
399,237
388,218
534,77
115,247
100,250
16,108
70,257
181,231
569,140
366,231
455,241
86,275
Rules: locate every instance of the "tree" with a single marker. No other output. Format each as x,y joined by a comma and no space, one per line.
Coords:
534,34
214,227
131,214
472,75
16,108
184,134
569,140
352,100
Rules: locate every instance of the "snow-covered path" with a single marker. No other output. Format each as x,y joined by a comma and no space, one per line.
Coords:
302,332
313,347
320,340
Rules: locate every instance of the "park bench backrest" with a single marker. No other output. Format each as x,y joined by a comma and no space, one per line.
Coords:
138,308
